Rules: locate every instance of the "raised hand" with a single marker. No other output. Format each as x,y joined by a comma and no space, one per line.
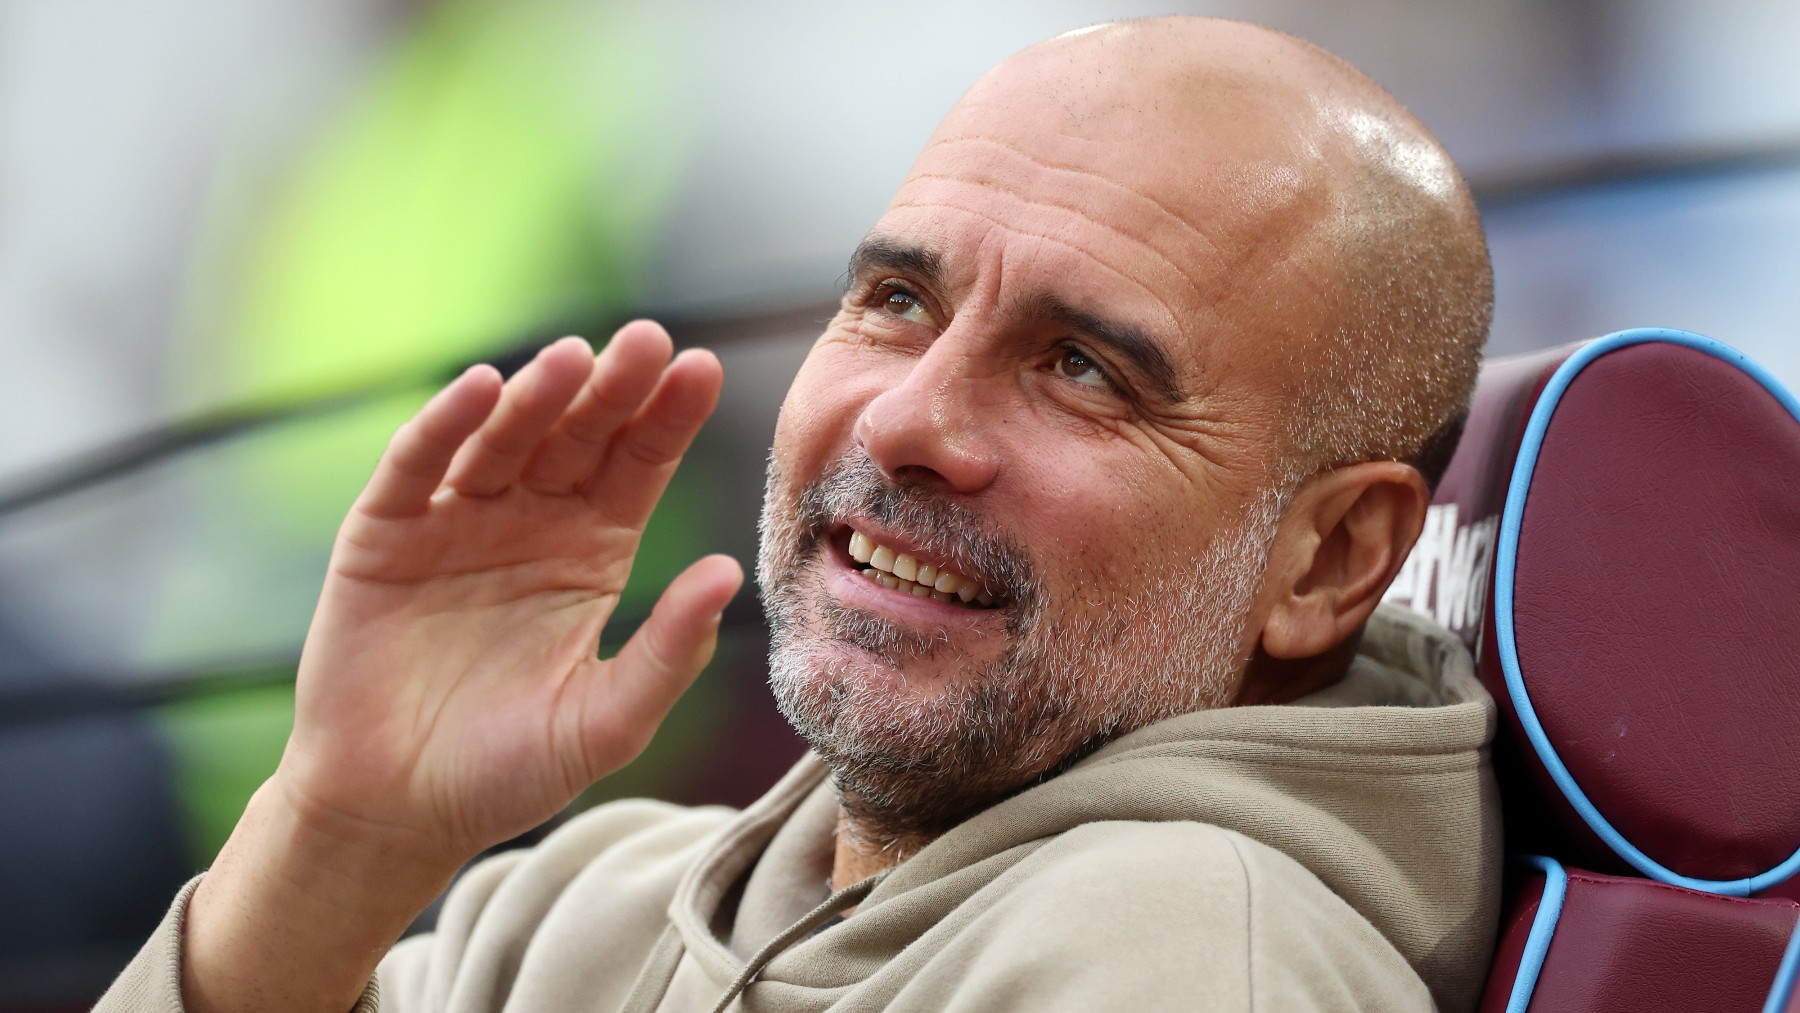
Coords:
449,693
450,685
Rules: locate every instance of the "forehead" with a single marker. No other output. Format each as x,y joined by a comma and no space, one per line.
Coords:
1179,219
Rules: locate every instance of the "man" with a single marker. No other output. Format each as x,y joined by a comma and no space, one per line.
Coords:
1078,516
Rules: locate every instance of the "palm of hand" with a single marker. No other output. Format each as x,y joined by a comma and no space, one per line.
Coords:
450,686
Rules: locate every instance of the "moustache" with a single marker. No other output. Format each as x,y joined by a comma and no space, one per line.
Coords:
939,526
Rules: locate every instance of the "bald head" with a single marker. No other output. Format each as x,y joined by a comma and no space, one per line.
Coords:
1339,244
1140,287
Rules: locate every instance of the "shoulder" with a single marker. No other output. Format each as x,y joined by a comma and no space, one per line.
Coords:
1131,885
1170,912
1131,872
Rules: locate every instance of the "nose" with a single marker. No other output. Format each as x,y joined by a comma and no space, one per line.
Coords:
936,425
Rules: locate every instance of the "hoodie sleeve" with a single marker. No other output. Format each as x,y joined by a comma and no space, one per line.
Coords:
620,860
151,983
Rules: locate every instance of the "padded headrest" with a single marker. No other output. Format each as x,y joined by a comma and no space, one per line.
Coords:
1628,512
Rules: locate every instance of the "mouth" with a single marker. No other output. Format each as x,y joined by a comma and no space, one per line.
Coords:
905,572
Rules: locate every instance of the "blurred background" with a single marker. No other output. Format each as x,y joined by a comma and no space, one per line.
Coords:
241,240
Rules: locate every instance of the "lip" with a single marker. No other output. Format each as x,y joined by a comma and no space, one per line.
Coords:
849,586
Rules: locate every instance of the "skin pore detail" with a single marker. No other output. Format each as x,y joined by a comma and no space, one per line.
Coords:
1269,191
1148,200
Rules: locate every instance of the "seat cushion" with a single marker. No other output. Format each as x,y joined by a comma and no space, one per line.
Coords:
1635,946
1638,612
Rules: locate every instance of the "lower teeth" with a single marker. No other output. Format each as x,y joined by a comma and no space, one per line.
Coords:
917,590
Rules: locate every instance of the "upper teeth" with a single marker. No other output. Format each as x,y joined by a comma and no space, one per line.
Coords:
901,572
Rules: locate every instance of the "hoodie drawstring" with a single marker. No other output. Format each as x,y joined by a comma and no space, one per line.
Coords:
848,897
653,981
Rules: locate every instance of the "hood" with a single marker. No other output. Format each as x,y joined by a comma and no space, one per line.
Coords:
1379,785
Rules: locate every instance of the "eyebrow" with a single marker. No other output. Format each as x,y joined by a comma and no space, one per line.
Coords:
1133,343
1146,355
879,253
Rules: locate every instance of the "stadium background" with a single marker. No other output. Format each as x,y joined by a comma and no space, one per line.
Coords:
240,240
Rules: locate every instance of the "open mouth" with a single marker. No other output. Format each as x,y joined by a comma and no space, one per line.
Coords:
900,571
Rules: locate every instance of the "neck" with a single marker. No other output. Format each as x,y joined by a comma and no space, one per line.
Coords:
860,854
1270,680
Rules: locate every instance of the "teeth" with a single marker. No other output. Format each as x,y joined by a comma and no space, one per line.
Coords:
902,572
882,558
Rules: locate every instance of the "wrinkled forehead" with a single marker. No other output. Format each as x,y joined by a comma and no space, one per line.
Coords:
1205,194
1179,199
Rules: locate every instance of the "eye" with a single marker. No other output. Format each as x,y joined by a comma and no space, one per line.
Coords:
1075,364
903,304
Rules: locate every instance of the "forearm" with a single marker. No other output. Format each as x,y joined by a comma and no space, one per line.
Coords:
299,908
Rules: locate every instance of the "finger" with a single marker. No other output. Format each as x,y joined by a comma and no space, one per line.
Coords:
632,693
621,377
413,466
531,403
636,468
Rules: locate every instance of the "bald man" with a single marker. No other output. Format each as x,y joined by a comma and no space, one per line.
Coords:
1078,518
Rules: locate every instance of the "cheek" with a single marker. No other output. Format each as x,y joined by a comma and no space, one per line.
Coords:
1079,515
1110,527
819,412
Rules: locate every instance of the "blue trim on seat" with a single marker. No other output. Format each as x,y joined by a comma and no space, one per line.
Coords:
1506,555
1543,927
1783,990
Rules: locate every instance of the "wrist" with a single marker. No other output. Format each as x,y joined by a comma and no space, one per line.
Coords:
329,842
300,906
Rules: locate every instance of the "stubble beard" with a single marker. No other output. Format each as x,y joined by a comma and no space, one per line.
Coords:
1078,669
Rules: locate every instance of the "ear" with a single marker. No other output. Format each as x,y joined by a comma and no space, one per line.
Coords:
1340,543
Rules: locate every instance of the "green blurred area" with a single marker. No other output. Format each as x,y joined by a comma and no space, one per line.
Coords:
225,744
501,172
506,166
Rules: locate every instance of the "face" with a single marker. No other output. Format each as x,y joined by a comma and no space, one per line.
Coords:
1044,398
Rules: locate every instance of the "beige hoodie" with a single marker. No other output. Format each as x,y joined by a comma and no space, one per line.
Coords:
1337,853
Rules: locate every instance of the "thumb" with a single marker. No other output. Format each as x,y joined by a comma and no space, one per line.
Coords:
637,687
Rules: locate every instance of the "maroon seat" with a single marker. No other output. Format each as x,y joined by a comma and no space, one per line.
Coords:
1618,541
1628,944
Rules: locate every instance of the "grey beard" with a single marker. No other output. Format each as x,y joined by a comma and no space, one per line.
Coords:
1073,675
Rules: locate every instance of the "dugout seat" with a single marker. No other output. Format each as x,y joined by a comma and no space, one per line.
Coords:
1617,538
